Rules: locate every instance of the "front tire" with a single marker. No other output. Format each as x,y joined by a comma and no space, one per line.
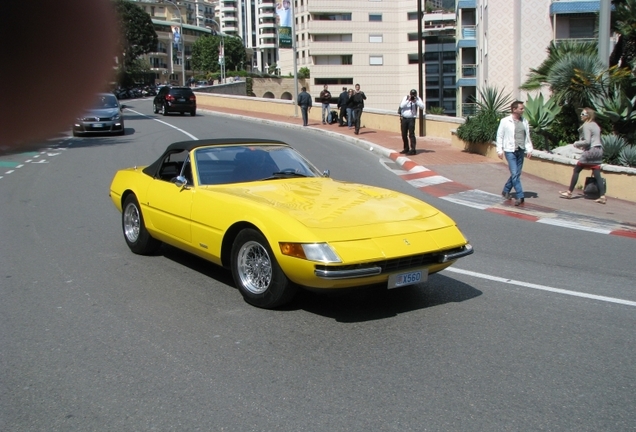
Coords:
155,109
257,274
137,236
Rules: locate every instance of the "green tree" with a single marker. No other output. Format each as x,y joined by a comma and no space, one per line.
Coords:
138,34
205,53
303,73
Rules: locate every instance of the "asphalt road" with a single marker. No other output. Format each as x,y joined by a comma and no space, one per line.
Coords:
535,331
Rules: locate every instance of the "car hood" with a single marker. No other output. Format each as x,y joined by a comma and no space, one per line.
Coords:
325,203
101,112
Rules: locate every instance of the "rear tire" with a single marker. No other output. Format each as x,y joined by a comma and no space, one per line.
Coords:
257,274
132,221
163,110
193,113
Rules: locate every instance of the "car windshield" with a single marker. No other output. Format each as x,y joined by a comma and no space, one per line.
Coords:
105,101
237,164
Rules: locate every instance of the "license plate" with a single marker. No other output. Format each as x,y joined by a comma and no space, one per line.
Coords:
181,100
98,125
410,278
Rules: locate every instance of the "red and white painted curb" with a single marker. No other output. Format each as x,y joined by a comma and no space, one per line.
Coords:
441,187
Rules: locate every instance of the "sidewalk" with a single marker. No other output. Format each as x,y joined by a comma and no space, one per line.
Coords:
442,170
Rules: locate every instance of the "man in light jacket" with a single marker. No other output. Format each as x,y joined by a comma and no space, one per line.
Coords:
513,141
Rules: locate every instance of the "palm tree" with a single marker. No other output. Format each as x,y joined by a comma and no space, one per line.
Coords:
538,77
576,79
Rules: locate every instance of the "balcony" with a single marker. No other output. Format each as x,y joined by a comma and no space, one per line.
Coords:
267,25
469,71
469,32
469,109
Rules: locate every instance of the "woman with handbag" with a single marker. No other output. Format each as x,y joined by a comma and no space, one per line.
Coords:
592,157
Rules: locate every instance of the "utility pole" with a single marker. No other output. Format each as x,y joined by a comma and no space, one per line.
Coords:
420,17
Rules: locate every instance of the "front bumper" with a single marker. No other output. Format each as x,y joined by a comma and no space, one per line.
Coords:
393,265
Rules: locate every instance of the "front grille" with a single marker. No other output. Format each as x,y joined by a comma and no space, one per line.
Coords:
397,264
96,119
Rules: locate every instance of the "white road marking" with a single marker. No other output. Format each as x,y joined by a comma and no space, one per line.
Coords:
541,287
163,122
573,225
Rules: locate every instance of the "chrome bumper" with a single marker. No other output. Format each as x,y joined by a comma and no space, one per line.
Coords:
374,269
466,250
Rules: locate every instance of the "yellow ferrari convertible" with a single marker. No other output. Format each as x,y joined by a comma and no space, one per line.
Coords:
260,209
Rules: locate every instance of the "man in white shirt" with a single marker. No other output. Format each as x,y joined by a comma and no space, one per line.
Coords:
513,141
408,114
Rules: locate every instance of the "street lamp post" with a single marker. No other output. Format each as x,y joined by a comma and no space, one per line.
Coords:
221,52
181,41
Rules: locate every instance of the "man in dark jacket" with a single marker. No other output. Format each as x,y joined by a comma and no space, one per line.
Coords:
343,99
304,102
358,105
325,98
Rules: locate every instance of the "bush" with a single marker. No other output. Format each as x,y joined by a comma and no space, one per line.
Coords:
627,156
565,127
436,110
480,128
612,146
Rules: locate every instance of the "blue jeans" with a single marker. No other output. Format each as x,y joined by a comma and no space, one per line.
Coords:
350,117
325,112
303,111
515,164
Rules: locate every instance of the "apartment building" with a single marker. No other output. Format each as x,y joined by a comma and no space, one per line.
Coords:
193,18
254,21
373,43
499,41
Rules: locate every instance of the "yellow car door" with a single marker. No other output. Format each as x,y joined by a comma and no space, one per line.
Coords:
170,208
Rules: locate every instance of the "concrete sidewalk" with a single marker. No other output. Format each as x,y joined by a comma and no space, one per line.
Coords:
444,171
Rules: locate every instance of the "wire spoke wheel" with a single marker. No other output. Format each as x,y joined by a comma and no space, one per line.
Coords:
256,271
132,223
254,267
136,235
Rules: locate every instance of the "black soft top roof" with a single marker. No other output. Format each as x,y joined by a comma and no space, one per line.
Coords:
190,145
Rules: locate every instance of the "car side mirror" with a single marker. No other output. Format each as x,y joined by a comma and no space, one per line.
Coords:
180,181
326,173
123,107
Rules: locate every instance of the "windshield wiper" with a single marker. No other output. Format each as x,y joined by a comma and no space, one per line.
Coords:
285,173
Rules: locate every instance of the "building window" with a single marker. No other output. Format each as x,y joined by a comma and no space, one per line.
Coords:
376,60
412,58
449,68
375,17
432,93
375,38
332,17
333,60
411,16
432,68
582,28
333,37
